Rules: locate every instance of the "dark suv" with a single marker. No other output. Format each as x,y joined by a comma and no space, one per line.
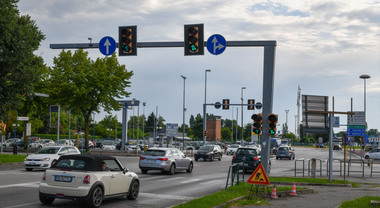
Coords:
210,152
249,158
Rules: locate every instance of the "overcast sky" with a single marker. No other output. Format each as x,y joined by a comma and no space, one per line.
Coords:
322,46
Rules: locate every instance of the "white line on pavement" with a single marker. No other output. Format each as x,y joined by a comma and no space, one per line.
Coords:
166,196
30,185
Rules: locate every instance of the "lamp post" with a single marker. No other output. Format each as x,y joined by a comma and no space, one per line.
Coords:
204,108
143,135
243,88
365,76
286,111
183,113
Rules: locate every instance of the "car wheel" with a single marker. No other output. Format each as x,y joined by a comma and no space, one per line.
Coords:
190,169
172,169
29,169
196,159
134,190
46,200
276,158
144,171
220,157
211,158
39,147
366,157
290,157
96,197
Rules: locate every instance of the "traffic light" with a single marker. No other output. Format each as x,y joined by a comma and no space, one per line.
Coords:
204,133
272,120
226,104
194,40
257,121
128,41
251,104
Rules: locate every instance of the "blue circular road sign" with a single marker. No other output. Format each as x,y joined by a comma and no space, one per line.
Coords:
216,44
107,46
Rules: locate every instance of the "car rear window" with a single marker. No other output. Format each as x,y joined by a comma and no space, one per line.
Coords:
283,148
71,164
155,153
246,152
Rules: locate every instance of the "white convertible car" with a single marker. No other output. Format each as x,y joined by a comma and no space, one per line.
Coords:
88,179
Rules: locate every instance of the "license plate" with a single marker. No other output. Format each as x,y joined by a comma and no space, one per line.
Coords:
32,163
152,161
63,178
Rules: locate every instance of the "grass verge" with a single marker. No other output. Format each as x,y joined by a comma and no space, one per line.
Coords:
312,180
362,202
6,158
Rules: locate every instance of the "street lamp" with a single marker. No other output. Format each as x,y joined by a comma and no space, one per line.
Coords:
243,88
204,108
144,104
365,76
286,111
183,113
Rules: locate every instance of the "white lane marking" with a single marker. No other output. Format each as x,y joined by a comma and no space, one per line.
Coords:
166,196
213,182
190,181
171,179
30,185
19,172
22,205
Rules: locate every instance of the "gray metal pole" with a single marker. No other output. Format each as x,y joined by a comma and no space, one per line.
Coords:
242,128
183,114
204,108
330,147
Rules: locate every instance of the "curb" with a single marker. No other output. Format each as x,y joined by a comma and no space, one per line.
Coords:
310,184
11,164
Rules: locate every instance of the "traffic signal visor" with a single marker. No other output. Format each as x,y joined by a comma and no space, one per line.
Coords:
257,121
272,120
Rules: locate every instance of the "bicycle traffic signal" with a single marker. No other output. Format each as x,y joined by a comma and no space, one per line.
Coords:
251,104
272,120
226,104
194,40
128,41
257,122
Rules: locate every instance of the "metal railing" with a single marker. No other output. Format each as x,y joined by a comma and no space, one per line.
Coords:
355,161
340,167
303,167
372,163
309,166
234,172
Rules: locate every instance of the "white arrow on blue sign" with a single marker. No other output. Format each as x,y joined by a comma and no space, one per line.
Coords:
216,44
107,46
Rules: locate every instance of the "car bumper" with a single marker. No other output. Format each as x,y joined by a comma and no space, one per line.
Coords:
37,164
196,156
63,192
154,166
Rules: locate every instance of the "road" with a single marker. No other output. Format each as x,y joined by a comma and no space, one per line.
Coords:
19,188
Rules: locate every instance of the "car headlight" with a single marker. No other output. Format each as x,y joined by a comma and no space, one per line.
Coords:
209,153
46,159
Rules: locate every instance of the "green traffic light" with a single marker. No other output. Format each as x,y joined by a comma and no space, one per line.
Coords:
272,132
193,48
256,131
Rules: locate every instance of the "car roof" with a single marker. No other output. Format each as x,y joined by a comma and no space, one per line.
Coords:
93,162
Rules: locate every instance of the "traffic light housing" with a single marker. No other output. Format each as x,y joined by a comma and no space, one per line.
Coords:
204,133
194,39
257,122
128,41
272,120
251,104
226,104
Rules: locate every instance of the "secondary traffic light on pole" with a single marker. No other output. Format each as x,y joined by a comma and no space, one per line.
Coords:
226,104
251,104
194,40
272,120
257,122
128,41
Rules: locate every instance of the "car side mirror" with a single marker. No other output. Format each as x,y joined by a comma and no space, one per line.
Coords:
125,170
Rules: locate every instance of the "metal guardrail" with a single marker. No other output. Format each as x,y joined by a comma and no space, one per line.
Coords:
303,167
340,167
234,171
309,168
355,161
372,163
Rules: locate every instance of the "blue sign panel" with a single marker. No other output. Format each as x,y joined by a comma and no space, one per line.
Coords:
216,44
107,46
356,132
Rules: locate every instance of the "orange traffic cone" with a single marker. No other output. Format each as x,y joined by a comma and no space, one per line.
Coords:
274,194
293,192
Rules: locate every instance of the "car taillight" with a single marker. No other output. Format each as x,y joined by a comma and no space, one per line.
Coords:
163,159
288,151
86,179
44,177
234,157
255,158
142,158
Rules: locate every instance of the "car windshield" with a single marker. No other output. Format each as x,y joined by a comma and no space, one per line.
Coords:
62,141
48,150
246,152
283,149
234,146
155,152
206,148
108,143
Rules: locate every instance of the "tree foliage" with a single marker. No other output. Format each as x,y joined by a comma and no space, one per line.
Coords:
19,67
77,82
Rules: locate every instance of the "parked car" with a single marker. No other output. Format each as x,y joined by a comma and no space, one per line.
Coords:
99,142
10,142
45,157
85,179
285,152
81,143
108,145
167,160
373,154
337,147
65,142
209,152
232,149
20,142
42,143
248,158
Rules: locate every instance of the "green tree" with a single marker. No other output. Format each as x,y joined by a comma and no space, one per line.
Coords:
77,82
226,134
19,67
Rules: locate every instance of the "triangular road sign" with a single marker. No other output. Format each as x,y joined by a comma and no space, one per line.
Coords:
259,176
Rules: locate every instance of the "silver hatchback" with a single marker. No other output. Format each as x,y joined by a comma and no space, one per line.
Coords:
167,160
